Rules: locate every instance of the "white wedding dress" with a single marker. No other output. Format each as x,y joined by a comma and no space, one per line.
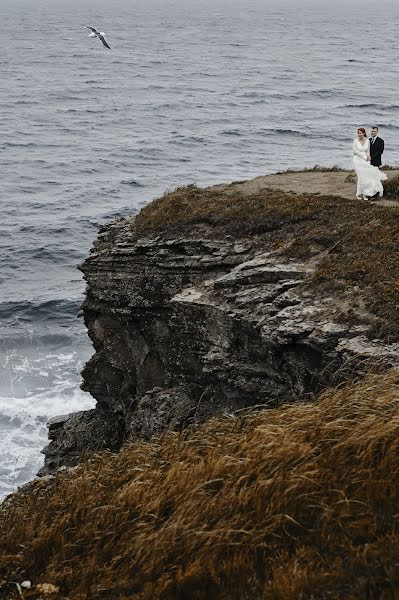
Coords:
369,178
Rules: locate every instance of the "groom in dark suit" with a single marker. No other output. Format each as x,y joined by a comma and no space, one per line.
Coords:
376,147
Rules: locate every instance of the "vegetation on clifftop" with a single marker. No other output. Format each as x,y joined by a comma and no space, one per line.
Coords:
391,188
356,243
297,502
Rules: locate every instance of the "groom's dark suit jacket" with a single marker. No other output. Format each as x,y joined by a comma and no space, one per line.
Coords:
376,150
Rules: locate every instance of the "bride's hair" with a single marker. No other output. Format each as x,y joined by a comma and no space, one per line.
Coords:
362,129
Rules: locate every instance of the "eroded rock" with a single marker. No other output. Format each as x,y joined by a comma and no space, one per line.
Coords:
186,327
76,436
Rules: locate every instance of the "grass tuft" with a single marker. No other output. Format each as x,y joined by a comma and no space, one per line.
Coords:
316,169
391,188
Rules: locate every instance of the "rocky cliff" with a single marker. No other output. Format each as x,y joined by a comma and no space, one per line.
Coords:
217,300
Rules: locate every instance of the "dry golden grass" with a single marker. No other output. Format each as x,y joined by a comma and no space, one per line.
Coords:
297,502
358,243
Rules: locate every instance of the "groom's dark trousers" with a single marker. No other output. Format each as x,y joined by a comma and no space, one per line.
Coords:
376,150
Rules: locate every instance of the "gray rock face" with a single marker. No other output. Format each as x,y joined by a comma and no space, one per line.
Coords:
186,327
76,436
159,410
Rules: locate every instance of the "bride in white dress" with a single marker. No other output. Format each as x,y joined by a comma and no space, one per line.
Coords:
369,178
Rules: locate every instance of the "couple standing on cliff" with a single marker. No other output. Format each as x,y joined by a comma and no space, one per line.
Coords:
367,160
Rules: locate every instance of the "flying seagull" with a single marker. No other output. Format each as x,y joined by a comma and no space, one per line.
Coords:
99,34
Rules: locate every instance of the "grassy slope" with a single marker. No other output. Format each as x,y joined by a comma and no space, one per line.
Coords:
300,501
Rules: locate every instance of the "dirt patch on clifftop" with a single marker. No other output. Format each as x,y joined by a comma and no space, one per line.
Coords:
313,181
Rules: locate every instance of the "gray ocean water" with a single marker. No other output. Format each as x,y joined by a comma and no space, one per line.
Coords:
191,92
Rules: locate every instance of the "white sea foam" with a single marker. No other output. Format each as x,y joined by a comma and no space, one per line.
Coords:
45,386
24,432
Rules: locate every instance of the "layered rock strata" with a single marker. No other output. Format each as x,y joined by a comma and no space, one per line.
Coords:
185,327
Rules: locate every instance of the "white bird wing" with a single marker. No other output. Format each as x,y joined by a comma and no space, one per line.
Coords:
92,29
104,41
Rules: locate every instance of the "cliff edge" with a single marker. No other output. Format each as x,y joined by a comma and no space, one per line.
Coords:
214,300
